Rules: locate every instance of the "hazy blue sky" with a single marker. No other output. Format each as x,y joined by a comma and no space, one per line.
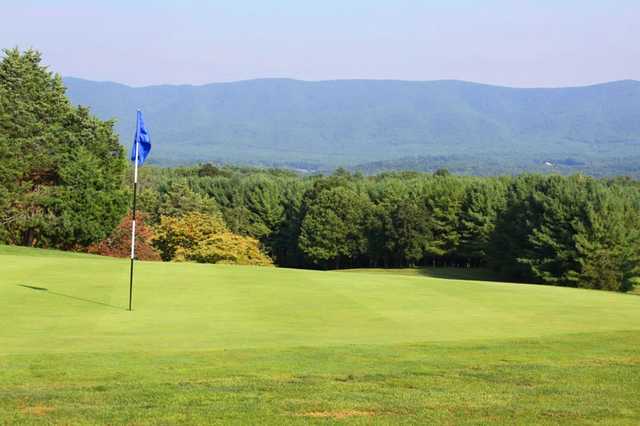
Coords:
515,43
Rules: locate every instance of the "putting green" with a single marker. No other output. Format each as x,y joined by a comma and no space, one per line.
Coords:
180,307
211,344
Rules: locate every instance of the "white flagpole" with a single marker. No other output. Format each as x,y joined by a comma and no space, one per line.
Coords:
133,220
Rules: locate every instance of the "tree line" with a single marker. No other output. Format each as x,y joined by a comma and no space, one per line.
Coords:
64,184
572,231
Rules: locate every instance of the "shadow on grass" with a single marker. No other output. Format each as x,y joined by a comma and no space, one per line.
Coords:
466,274
461,274
68,296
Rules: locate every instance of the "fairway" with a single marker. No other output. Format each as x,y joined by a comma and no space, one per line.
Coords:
220,343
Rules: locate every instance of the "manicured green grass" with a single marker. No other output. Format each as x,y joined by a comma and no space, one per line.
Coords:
474,274
227,344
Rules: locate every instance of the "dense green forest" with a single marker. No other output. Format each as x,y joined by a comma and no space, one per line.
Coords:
64,184
574,231
423,125
510,164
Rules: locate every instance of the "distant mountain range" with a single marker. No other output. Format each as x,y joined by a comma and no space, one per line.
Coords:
378,124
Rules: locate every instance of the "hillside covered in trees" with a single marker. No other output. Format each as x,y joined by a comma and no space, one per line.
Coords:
467,127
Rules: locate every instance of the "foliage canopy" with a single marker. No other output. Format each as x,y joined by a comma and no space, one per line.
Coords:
205,238
62,169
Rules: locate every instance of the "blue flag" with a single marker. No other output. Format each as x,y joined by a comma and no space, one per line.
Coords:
143,141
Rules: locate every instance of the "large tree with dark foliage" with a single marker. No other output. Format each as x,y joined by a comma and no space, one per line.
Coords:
333,227
62,170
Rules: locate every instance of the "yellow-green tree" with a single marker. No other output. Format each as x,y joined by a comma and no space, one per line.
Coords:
205,238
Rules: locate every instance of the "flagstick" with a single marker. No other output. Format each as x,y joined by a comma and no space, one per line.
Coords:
133,223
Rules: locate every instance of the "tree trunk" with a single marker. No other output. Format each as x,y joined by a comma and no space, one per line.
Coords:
27,238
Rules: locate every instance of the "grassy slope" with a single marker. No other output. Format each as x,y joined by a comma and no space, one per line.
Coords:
222,343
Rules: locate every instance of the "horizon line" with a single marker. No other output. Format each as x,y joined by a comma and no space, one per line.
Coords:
351,80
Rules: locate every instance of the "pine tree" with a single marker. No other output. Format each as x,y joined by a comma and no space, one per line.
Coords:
482,202
62,169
